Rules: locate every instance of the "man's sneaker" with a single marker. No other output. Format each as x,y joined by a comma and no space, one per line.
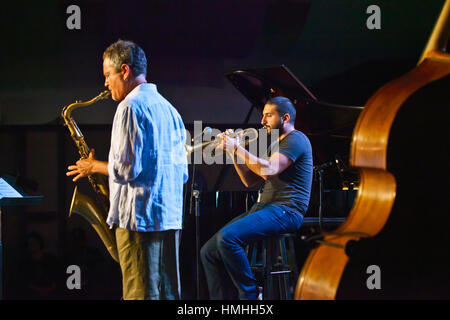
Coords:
260,293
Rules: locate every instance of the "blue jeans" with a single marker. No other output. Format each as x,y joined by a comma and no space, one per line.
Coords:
224,254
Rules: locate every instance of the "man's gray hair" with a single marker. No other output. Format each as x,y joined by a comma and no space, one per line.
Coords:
127,52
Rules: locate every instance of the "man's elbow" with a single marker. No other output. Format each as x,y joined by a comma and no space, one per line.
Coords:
267,173
251,183
123,179
246,184
126,174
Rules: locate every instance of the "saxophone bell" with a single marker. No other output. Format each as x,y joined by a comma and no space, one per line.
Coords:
84,206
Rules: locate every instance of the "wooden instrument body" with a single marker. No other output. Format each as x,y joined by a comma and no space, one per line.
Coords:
325,265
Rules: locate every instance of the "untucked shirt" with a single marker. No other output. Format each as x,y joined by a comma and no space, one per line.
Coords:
147,163
292,187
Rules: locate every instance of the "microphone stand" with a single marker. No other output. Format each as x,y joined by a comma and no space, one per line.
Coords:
195,197
319,171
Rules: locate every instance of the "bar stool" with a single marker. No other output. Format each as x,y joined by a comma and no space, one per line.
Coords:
274,265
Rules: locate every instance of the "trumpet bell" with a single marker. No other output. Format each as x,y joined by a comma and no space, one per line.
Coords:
247,135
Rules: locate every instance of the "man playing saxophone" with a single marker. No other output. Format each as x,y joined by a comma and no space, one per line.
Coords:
147,169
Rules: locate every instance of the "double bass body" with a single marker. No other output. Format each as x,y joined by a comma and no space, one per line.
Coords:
399,220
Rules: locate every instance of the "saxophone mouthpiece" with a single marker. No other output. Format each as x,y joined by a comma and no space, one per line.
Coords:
105,94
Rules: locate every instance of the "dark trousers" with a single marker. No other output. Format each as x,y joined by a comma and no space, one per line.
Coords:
224,254
149,263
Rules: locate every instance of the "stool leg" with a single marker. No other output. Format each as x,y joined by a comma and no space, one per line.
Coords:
267,270
293,263
292,257
257,256
279,262
279,268
286,282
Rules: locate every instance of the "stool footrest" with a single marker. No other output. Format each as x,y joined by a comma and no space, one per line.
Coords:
280,272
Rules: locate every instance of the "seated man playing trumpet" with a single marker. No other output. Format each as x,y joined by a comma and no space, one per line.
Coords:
287,177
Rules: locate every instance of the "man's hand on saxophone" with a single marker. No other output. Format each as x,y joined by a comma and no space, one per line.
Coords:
86,167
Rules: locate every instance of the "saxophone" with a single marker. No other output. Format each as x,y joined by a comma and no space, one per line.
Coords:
94,212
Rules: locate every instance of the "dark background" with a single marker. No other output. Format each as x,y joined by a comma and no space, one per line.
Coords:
190,46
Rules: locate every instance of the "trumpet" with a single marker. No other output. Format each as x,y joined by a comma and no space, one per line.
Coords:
246,136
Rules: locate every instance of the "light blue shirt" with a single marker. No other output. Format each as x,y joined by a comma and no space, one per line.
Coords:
147,163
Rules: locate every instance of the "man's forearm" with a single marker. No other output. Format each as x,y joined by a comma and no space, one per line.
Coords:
100,167
258,166
247,177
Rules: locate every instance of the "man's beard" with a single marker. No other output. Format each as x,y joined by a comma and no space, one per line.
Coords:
279,128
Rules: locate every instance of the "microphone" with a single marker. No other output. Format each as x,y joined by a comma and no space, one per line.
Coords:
339,164
206,130
323,166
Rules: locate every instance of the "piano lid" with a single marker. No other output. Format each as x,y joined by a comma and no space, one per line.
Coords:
314,117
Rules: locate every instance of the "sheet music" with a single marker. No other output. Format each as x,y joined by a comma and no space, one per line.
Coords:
6,191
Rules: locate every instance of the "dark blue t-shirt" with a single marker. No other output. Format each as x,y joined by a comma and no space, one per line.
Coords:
292,187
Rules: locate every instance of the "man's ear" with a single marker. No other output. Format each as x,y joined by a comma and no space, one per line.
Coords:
125,69
286,117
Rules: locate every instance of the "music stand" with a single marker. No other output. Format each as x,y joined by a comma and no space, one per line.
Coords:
11,195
